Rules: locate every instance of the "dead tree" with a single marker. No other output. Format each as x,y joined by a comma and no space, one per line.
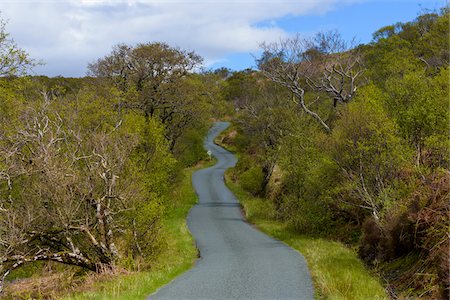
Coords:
59,197
323,64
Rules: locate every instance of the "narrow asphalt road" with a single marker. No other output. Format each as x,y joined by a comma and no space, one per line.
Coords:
237,261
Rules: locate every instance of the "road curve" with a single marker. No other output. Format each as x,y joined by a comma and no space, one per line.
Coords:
237,261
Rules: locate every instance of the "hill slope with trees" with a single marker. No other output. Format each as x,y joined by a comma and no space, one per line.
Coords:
342,141
350,142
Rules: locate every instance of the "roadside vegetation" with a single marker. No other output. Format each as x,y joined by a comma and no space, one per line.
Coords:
88,167
179,255
336,270
350,143
338,144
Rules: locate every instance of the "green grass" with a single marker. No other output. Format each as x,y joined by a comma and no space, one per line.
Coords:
336,271
179,256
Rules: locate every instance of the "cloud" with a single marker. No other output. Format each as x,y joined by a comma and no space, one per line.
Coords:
69,34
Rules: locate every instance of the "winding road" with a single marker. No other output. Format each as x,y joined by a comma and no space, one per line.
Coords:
237,260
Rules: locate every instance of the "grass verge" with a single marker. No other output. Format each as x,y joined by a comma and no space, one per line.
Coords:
180,255
336,271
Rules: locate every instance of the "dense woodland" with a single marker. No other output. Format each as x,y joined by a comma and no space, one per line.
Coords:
343,141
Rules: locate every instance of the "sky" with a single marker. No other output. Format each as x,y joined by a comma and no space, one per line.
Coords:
66,35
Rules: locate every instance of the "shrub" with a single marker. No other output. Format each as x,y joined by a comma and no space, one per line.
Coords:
252,180
418,224
189,149
306,216
244,163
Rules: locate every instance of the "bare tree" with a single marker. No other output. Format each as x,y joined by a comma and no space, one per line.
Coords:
72,205
324,64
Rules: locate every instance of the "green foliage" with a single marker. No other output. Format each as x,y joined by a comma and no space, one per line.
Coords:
336,271
192,144
152,160
244,163
386,149
409,47
14,61
252,180
82,160
154,80
380,169
91,107
368,152
238,84
306,216
177,253
87,164
11,104
391,57
419,105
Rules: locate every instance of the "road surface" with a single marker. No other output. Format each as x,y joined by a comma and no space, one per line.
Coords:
237,261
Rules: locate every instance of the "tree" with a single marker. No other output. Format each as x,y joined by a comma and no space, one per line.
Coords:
264,117
151,76
79,190
13,60
410,64
151,69
323,64
64,214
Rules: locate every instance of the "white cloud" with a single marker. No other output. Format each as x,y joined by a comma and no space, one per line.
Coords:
69,34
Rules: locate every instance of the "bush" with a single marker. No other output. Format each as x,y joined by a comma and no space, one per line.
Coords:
417,224
306,216
244,163
370,156
189,149
252,180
